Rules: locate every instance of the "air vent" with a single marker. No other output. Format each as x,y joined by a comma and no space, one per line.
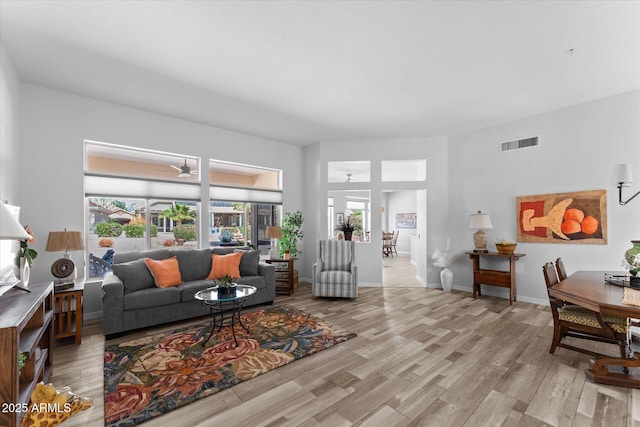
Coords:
519,143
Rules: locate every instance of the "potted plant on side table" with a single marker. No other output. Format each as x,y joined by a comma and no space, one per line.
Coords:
226,287
291,232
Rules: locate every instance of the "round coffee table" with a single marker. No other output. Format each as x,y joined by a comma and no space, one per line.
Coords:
220,307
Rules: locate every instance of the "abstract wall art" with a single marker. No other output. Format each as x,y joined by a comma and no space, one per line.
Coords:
578,217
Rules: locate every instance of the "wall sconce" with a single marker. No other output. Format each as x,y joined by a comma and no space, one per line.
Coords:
481,222
622,178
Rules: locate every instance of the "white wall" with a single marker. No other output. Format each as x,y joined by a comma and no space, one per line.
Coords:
578,148
317,156
54,125
9,131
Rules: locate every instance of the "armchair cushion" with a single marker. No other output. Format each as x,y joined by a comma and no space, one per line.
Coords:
335,255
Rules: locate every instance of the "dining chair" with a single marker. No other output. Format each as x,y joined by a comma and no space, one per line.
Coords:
562,273
387,239
579,322
394,242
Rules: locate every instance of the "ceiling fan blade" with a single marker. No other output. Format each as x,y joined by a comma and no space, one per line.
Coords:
178,168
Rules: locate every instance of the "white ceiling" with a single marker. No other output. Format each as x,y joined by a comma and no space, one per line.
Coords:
303,71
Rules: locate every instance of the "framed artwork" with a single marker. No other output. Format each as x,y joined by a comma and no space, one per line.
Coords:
579,217
339,218
406,220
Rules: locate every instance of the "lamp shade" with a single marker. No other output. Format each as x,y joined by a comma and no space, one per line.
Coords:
10,228
622,175
480,221
274,232
65,241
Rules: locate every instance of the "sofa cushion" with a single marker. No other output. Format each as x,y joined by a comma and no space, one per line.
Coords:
134,275
188,290
225,265
257,281
194,264
166,272
152,297
120,257
249,262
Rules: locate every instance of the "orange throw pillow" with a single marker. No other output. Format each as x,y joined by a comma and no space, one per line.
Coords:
225,264
166,272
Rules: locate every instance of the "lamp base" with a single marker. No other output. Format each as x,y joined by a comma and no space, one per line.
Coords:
274,252
480,241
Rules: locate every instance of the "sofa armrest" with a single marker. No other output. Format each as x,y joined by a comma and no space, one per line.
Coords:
112,304
268,271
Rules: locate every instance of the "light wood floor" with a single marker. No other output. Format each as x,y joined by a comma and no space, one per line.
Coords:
422,357
398,272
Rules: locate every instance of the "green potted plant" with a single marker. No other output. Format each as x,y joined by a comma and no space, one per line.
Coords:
347,229
226,287
291,232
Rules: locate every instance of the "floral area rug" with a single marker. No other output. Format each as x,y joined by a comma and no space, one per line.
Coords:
149,376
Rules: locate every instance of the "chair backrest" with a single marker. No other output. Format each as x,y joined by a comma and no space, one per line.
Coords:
337,254
562,273
550,276
387,237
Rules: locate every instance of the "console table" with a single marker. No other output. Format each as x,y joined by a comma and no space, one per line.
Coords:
25,328
503,279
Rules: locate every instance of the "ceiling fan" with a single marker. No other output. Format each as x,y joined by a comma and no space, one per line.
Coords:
348,177
185,170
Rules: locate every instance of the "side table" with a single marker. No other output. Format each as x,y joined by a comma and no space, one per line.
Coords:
68,311
284,275
503,279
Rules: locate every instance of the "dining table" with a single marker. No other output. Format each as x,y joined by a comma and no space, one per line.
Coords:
602,291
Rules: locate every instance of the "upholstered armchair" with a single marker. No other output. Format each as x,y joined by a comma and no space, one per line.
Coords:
335,273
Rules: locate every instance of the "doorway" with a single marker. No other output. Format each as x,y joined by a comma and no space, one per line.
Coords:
404,214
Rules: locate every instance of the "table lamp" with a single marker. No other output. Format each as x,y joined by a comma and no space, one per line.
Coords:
64,268
274,232
481,222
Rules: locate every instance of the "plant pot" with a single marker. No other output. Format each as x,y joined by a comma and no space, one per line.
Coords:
227,291
506,249
630,255
634,282
347,235
446,278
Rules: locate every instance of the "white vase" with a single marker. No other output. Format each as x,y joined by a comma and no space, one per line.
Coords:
446,278
25,271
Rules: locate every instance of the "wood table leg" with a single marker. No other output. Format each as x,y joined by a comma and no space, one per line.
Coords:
599,373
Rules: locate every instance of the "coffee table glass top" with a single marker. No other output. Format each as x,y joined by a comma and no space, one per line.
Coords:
210,295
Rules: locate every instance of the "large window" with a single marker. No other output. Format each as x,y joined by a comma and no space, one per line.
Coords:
244,200
138,200
141,199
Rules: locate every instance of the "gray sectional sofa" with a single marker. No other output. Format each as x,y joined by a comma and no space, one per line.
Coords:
131,300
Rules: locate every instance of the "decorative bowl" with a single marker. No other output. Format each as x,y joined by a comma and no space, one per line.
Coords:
506,248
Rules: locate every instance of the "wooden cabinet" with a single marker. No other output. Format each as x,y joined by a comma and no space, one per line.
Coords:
25,328
503,279
284,275
68,309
